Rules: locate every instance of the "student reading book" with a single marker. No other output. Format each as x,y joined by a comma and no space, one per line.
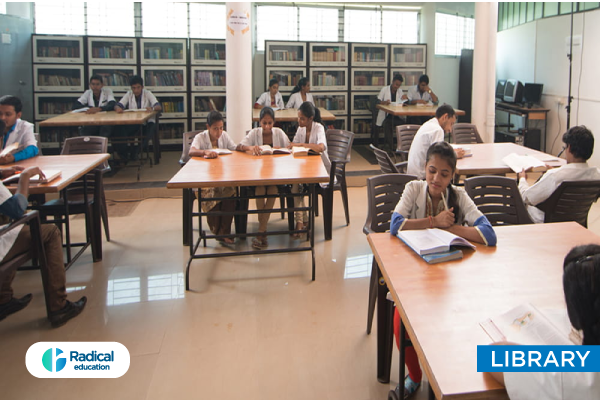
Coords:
14,129
435,203
434,245
266,135
581,284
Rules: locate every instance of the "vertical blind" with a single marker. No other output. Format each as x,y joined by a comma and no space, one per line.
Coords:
60,18
207,21
399,27
362,26
318,24
453,33
110,19
275,23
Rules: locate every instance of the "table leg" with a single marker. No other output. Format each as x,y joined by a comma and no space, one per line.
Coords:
97,218
311,225
383,355
402,356
187,203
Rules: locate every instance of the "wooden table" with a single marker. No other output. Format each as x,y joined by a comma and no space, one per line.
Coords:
441,305
72,167
241,169
291,115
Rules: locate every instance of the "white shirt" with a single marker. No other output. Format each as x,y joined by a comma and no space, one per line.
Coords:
414,94
23,134
148,100
265,100
295,100
255,138
384,95
552,385
429,133
202,141
549,182
8,239
317,136
106,96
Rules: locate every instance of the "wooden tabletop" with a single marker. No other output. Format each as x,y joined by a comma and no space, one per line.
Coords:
101,118
413,110
442,304
241,169
291,114
487,158
72,168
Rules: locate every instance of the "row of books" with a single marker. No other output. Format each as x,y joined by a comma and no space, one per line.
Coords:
368,56
163,53
56,107
171,131
362,103
330,54
116,78
331,102
55,135
204,52
164,78
286,78
57,80
362,80
172,106
112,51
361,126
209,78
328,78
285,55
58,51
409,55
206,104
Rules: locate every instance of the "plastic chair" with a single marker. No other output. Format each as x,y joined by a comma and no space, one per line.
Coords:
571,201
404,138
386,164
188,138
339,145
499,199
463,133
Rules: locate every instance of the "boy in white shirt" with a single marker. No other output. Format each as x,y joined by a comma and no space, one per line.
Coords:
98,98
16,131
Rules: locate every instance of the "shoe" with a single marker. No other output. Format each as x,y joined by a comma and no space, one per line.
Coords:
410,387
14,305
260,243
70,310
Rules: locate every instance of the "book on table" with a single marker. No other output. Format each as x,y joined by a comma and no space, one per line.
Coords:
80,110
299,151
221,151
10,149
467,150
520,163
49,174
265,149
527,325
434,245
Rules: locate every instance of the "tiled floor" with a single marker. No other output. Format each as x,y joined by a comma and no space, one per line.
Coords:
251,327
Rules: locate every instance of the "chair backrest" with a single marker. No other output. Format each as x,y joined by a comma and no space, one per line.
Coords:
339,144
188,138
571,201
383,194
499,199
404,138
87,145
385,162
463,133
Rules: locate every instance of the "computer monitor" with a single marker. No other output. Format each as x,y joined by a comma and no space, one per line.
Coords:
513,92
500,89
532,93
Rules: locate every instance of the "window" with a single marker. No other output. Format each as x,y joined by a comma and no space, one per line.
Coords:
168,20
453,33
319,24
400,27
208,21
60,18
2,7
110,19
275,23
362,26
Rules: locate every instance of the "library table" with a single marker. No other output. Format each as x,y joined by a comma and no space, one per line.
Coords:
72,167
241,169
441,305
291,115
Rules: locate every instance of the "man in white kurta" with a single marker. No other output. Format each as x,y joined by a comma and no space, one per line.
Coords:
97,99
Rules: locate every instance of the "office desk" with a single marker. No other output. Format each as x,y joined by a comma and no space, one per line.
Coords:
72,168
441,305
241,169
291,115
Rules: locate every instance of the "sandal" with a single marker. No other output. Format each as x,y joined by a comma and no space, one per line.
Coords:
299,227
410,387
260,242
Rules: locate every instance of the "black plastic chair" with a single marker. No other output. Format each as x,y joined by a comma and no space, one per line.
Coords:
386,164
571,201
464,133
499,199
404,138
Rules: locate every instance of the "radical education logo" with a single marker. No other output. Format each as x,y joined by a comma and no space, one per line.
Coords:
77,360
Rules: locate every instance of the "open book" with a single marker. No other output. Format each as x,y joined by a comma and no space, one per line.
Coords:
299,151
220,151
429,241
80,110
526,325
519,163
467,150
10,149
50,176
265,149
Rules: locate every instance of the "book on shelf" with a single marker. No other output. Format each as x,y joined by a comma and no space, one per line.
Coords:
429,241
50,175
525,324
265,149
299,151
520,163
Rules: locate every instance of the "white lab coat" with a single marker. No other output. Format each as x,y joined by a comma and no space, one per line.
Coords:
148,100
265,100
385,94
429,133
106,96
202,141
295,100
23,134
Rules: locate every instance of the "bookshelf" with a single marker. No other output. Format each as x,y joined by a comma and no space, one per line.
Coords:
369,55
285,54
339,123
337,103
57,49
48,105
361,126
208,79
369,78
58,78
410,75
329,79
207,52
106,50
329,54
203,103
165,79
287,77
174,105
115,77
408,55
171,131
200,124
362,103
163,51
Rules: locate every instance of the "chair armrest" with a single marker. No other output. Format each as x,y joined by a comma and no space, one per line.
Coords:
21,221
402,166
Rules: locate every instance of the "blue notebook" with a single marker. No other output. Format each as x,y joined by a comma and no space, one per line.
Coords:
434,258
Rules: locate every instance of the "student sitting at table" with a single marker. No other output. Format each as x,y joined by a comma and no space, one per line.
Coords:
435,203
581,284
272,98
300,94
310,134
578,148
422,93
214,137
388,95
98,98
16,130
430,132
276,138
137,98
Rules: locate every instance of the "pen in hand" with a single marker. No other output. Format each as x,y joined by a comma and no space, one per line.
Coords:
445,203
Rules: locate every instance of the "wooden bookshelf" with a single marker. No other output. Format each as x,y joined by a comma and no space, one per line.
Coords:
165,79
163,51
106,50
208,79
287,77
57,49
329,54
207,52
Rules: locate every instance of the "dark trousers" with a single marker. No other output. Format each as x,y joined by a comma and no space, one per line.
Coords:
131,131
105,131
221,224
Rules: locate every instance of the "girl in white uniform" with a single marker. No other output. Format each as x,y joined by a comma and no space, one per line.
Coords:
272,98
300,94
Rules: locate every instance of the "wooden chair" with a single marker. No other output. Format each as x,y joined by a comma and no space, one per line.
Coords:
386,164
499,199
339,146
463,133
404,138
571,201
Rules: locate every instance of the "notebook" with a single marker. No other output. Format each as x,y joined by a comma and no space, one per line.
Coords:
50,176
430,241
299,151
519,163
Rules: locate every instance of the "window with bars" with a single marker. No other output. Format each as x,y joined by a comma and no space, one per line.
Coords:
319,24
399,27
2,7
275,23
60,18
110,19
208,21
362,26
168,20
453,33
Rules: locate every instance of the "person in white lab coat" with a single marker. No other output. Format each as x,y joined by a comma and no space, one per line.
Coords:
272,98
16,131
390,94
97,98
300,94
